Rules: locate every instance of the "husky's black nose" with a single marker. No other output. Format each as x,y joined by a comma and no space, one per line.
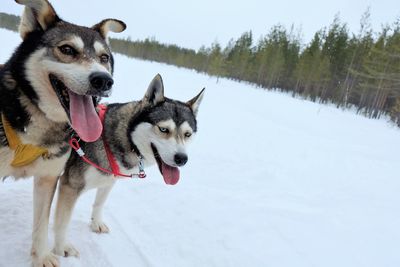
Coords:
180,159
101,82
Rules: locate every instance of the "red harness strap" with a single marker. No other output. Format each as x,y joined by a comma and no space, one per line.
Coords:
111,159
74,143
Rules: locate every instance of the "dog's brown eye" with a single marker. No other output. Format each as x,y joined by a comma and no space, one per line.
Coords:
163,130
67,50
104,58
188,134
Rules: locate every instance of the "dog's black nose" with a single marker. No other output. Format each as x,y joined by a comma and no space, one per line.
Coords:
180,159
101,81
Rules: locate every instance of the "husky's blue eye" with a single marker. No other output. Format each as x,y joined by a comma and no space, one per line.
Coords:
67,50
163,130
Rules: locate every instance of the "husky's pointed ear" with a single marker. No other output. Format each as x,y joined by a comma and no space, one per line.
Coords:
155,92
109,25
38,14
194,103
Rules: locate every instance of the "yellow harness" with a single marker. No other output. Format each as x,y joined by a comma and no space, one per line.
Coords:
24,154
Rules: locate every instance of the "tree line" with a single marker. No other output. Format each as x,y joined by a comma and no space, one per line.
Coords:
360,70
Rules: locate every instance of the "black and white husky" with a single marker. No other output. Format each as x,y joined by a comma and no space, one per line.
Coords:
155,130
49,85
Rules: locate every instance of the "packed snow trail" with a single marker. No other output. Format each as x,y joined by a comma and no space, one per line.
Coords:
271,181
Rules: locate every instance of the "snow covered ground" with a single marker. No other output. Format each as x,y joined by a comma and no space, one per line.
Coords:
271,181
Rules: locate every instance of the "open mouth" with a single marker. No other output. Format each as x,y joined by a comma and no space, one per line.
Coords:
61,91
80,110
170,174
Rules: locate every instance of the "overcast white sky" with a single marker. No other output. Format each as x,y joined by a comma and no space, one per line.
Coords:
194,23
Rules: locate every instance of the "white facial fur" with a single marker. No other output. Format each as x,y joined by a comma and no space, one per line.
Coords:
168,145
38,76
74,75
77,42
99,48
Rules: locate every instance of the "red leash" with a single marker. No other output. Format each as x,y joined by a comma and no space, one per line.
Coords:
74,143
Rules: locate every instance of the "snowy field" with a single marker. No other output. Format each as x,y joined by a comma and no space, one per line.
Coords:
271,181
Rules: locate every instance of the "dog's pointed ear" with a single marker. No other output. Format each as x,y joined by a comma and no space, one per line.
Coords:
109,25
194,103
155,92
38,15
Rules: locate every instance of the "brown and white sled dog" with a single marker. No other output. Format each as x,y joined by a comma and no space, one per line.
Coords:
156,129
49,85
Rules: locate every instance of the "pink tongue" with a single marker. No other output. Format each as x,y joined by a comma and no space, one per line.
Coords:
84,118
170,174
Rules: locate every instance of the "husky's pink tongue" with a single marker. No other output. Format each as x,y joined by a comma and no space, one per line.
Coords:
170,174
84,118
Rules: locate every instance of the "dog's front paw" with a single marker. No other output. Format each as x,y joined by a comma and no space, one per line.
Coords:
48,260
99,227
66,251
